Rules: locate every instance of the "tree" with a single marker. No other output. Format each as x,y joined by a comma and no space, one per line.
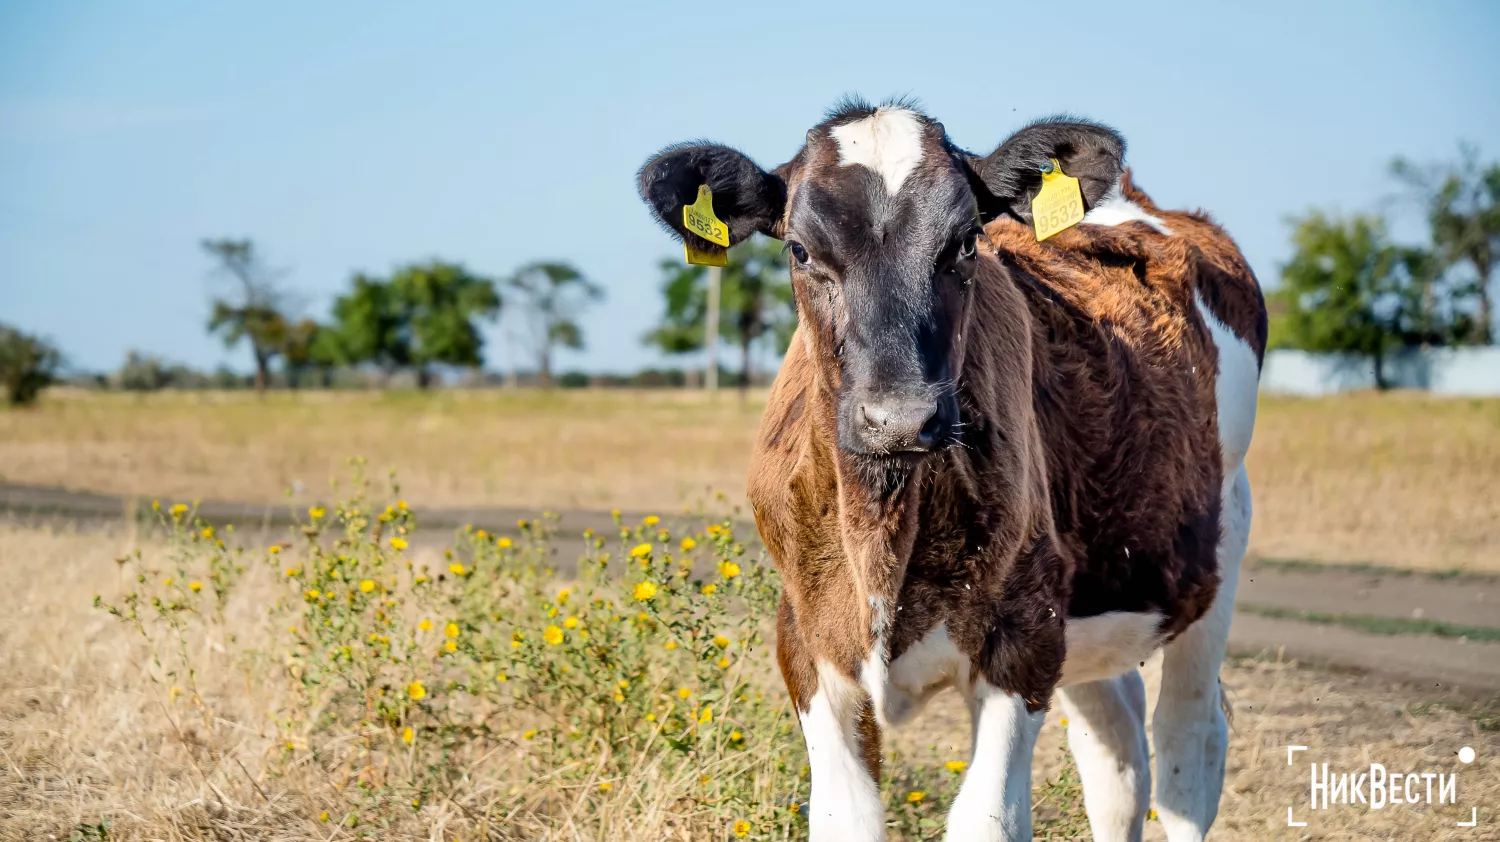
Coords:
254,311
438,304
1462,203
1346,289
755,296
27,365
423,316
552,295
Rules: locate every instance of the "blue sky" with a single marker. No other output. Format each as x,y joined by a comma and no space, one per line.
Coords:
355,136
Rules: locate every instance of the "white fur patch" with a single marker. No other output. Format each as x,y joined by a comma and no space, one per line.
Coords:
1115,209
1234,390
872,675
1106,645
1107,736
844,804
927,667
994,804
888,142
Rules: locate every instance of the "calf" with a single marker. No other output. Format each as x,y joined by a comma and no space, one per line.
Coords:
1004,465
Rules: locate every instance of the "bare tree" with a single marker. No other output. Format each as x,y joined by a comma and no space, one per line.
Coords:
254,311
551,295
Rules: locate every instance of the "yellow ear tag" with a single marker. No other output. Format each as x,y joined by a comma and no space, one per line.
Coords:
699,218
716,257
1059,205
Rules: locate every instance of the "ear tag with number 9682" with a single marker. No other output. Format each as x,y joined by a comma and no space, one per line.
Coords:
699,218
1059,205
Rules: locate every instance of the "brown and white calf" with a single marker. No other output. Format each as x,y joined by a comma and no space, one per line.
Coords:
997,464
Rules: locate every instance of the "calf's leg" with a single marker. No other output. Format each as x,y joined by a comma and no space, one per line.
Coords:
1189,729
843,742
1107,735
994,803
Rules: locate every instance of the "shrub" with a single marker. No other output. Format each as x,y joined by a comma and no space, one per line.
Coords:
477,693
27,365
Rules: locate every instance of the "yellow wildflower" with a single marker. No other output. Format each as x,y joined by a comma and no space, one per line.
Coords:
956,766
619,697
671,644
723,663
425,625
551,612
450,646
457,569
721,641
516,640
651,520
1151,816
570,623
503,543
1063,722
208,532
366,585
915,796
451,630
481,535
641,551
709,588
650,717
323,816
562,595
736,736
553,635
416,690
683,692
502,678
407,735
529,734
274,549
292,572
729,569
401,504
168,581
706,716
179,510
688,544
195,586
714,529
398,543
606,786
316,512
742,828
644,591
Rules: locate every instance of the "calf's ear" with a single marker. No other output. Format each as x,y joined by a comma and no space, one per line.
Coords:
1007,179
746,198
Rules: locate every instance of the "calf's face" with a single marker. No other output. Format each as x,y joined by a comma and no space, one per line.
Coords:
881,217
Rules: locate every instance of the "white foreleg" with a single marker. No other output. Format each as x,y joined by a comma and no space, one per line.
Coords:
994,804
1107,735
844,805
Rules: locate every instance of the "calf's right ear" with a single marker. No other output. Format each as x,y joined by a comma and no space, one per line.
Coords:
746,198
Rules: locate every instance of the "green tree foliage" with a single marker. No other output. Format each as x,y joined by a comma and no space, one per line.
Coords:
1346,289
1462,204
27,365
550,297
253,312
425,315
755,302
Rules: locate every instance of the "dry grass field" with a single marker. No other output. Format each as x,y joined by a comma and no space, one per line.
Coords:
92,733
1395,479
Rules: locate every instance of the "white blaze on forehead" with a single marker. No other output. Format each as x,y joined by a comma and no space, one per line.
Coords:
888,142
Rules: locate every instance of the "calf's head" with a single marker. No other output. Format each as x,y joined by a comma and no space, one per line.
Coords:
881,216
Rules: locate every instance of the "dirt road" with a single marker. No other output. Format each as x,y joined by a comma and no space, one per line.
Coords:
1442,633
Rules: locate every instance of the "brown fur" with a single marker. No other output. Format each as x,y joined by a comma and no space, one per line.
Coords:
1087,390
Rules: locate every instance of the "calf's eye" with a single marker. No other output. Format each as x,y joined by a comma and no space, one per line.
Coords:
799,253
967,248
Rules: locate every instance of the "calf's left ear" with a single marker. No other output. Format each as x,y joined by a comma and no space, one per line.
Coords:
1006,180
746,198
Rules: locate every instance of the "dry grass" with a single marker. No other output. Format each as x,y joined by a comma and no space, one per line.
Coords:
87,736
1396,479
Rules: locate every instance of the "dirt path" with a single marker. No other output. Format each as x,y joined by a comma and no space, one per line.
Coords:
1448,664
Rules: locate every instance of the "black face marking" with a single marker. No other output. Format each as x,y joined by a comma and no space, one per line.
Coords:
895,267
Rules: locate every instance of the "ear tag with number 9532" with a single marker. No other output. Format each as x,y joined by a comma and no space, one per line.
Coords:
1059,205
699,218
